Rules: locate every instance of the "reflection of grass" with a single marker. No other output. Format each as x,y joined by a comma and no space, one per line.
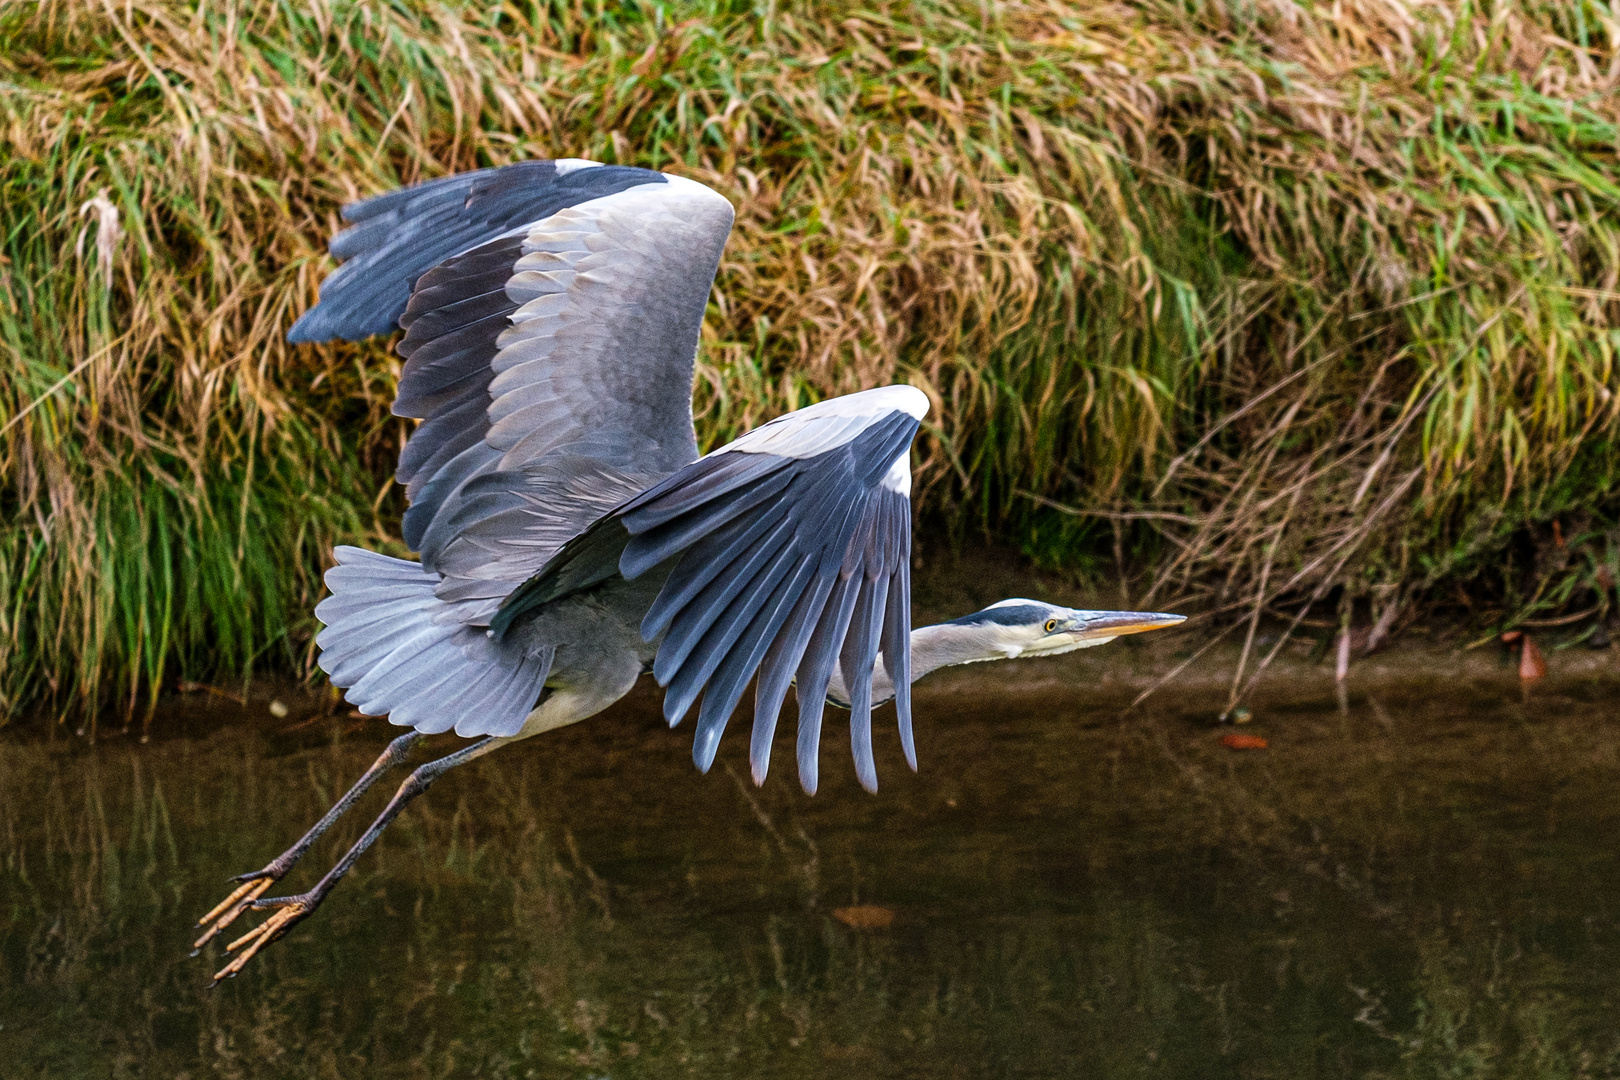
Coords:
1094,234
1111,919
1493,1015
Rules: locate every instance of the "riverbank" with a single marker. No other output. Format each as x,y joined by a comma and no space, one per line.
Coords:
1269,304
1199,671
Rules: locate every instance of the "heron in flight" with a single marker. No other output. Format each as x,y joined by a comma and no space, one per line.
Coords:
571,538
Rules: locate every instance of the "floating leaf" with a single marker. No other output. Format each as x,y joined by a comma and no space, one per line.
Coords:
865,916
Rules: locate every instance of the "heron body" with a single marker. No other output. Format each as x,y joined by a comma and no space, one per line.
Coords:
570,536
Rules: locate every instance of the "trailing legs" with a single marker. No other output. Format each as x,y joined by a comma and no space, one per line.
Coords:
253,884
291,910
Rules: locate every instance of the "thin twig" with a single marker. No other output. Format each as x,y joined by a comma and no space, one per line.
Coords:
1179,668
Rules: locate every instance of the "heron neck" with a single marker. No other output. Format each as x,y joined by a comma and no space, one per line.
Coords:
947,645
932,648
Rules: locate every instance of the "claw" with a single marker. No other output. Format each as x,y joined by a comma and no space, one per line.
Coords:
257,938
230,909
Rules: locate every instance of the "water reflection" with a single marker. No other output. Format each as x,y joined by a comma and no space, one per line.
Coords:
1420,886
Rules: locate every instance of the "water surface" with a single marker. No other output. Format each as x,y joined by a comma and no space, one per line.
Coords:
1423,884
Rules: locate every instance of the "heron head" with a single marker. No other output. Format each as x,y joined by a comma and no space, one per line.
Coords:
1021,627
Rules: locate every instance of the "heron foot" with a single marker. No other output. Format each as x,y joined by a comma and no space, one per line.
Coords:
288,912
252,886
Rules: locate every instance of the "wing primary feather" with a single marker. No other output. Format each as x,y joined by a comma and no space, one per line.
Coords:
776,671
815,672
468,306
441,483
707,564
742,659
822,611
747,594
399,237
437,440
897,647
878,446
703,562
441,372
856,659
734,579
448,388
495,257
651,548
860,551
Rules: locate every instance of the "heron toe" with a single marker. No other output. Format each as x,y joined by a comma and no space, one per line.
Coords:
230,909
288,912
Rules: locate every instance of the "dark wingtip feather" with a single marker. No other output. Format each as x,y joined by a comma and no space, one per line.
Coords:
706,745
815,672
320,324
859,645
809,765
776,672
303,331
897,644
908,742
678,703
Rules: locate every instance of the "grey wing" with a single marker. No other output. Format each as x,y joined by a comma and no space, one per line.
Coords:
788,553
552,312
397,237
550,361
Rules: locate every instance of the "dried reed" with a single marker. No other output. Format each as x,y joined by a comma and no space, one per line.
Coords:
1283,303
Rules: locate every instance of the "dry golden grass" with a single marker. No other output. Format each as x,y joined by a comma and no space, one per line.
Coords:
1275,304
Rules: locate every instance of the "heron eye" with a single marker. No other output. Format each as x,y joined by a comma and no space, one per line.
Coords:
1051,625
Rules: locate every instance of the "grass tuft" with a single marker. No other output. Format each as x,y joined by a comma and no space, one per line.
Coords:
1272,303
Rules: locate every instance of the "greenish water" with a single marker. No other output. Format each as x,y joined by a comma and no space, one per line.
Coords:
1423,885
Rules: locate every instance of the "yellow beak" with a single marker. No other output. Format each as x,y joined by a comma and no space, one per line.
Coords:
1090,625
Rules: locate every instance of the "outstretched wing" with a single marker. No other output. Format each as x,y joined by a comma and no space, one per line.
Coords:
787,553
397,237
552,313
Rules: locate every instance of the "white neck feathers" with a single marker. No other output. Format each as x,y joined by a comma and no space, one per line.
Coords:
932,648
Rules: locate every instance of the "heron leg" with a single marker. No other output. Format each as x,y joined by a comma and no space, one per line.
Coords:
253,884
291,910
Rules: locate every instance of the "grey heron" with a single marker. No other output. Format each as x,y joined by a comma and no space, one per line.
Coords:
571,538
